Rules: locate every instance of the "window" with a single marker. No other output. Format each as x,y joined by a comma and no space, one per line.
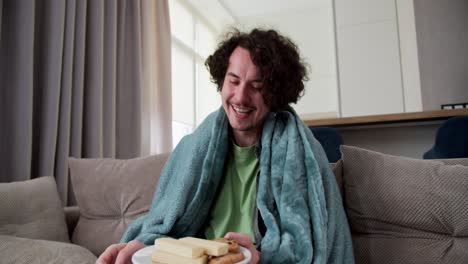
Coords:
194,96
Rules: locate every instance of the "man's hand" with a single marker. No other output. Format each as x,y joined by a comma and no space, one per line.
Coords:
120,253
246,241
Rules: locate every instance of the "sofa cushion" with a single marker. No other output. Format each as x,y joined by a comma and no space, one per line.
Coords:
337,169
404,210
32,209
16,250
111,193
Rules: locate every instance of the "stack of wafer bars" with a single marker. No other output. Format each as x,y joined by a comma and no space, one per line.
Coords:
190,250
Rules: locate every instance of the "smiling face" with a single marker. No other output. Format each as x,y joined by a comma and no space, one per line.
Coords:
242,98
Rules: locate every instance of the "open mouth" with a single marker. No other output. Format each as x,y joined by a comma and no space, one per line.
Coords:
241,111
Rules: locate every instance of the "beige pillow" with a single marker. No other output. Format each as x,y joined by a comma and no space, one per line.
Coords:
16,250
111,193
404,210
32,209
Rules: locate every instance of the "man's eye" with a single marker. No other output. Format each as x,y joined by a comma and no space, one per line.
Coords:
235,82
257,87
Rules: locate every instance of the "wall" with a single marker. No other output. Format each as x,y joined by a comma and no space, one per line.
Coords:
408,140
443,51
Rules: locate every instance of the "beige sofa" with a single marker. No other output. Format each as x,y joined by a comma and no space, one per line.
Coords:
35,228
400,210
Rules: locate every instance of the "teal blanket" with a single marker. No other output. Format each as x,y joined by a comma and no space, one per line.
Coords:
297,197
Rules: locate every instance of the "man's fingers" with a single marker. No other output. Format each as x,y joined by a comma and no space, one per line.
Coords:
246,241
243,239
126,253
109,255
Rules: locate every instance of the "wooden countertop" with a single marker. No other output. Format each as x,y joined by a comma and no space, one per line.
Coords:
388,118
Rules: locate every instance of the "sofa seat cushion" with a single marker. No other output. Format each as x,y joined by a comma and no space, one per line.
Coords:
404,210
16,250
32,209
111,193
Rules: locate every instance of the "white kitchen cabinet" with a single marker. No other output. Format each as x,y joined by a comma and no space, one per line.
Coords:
368,54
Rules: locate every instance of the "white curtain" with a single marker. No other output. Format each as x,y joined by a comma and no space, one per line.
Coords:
81,78
156,55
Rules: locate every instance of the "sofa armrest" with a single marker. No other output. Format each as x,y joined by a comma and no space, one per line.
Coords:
72,214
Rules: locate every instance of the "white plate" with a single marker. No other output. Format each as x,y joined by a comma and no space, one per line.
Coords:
143,256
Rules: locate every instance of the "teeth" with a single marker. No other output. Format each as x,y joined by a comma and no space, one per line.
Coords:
241,110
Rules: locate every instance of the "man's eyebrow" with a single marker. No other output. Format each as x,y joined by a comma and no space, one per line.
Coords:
233,75
237,77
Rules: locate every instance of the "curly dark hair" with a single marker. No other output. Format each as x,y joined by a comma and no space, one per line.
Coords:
277,57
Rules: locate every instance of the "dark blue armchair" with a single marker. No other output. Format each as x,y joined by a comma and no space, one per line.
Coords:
330,140
451,140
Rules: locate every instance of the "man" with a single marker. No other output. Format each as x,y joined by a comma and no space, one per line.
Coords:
252,171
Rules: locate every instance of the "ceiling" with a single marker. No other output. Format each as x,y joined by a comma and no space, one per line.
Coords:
220,12
248,8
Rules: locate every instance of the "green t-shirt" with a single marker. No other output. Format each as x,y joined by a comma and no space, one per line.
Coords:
235,204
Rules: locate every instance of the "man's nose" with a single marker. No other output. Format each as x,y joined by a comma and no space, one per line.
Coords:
242,93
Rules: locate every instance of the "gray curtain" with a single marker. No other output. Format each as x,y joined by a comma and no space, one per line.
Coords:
71,84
